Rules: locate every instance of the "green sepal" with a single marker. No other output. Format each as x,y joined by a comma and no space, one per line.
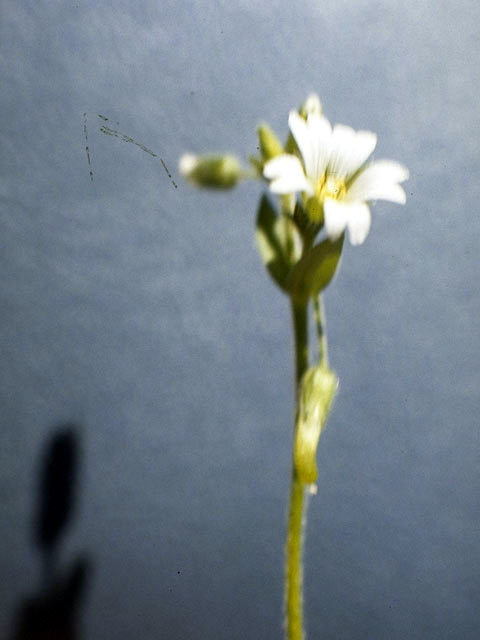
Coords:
270,145
315,270
291,146
314,210
300,217
257,164
272,243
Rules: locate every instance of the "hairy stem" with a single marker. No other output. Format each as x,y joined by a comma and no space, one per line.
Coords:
296,512
294,564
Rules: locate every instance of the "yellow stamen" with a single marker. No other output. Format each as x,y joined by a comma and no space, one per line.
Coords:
330,187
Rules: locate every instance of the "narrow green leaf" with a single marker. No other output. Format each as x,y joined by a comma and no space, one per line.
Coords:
315,270
271,242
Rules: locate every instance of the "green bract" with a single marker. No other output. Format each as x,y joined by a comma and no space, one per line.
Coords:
317,391
315,270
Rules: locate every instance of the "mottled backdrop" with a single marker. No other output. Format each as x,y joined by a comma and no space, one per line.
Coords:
137,308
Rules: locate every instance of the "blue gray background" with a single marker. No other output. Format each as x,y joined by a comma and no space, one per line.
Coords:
142,312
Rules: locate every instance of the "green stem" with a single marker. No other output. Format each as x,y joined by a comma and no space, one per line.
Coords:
319,314
294,563
296,516
300,337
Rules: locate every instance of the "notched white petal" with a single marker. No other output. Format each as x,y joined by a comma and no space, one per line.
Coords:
336,217
320,131
280,165
350,150
284,186
286,173
379,181
342,138
390,192
303,138
388,170
358,223
365,143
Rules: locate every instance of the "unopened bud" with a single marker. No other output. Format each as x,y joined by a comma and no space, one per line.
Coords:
317,391
270,145
311,105
212,172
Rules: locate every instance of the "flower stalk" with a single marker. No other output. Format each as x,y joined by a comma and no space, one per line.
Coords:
315,388
297,504
294,561
325,188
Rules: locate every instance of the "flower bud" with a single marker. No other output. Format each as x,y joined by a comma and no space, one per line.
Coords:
317,391
270,145
212,171
311,105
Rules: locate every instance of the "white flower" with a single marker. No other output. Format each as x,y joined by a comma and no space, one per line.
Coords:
331,157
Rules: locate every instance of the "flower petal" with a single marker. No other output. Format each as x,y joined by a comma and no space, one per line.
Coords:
379,181
359,221
313,140
353,215
365,143
342,137
336,215
320,132
286,175
390,192
350,149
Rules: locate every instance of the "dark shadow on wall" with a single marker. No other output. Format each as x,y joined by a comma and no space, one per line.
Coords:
53,611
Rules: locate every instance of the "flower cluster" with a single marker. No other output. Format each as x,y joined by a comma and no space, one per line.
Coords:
325,164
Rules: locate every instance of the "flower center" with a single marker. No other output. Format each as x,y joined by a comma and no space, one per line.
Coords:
330,187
